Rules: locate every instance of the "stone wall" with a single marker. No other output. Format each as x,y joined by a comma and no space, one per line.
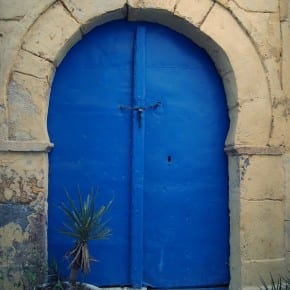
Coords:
249,42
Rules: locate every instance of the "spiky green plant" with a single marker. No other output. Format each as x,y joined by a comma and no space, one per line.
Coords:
54,276
83,222
280,283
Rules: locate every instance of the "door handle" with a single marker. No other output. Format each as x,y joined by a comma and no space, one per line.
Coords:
154,106
140,110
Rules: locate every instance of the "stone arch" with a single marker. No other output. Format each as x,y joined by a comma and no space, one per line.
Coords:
208,24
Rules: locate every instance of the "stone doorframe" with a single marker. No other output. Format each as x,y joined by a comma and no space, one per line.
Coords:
256,192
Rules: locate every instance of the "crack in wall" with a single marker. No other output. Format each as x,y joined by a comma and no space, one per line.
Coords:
175,6
262,199
15,18
38,55
246,261
69,12
30,75
207,14
271,128
252,11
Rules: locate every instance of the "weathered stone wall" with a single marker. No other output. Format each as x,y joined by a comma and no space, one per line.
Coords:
249,41
23,190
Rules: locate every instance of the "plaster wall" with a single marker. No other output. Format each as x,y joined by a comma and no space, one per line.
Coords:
249,42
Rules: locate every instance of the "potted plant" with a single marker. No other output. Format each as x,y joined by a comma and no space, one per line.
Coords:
83,222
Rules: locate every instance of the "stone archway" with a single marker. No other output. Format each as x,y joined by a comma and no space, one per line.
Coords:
210,25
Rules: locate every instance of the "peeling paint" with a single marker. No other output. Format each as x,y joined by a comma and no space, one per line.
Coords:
22,189
10,233
15,213
20,98
20,258
17,94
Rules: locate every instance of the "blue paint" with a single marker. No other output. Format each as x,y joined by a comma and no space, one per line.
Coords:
138,160
168,177
92,138
186,197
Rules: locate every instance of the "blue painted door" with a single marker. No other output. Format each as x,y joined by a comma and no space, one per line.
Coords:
139,112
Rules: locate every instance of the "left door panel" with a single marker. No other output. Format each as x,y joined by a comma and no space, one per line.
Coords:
92,138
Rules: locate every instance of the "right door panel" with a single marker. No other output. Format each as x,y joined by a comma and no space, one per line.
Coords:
186,219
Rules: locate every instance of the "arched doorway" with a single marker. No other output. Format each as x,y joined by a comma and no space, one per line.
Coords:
139,111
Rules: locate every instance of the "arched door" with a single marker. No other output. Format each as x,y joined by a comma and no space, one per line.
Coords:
139,112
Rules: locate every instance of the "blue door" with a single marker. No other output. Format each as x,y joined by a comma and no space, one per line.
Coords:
138,112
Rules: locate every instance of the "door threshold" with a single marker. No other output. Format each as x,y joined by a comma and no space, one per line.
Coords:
145,288
121,288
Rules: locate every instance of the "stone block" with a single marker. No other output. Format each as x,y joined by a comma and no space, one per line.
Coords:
279,103
286,94
262,177
286,163
288,261
7,29
12,33
252,271
156,4
231,136
14,9
258,6
27,103
53,34
30,64
287,235
229,81
262,230
158,11
257,133
285,26
221,26
91,13
193,11
23,178
264,29
284,6
274,74
252,88
279,125
3,123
